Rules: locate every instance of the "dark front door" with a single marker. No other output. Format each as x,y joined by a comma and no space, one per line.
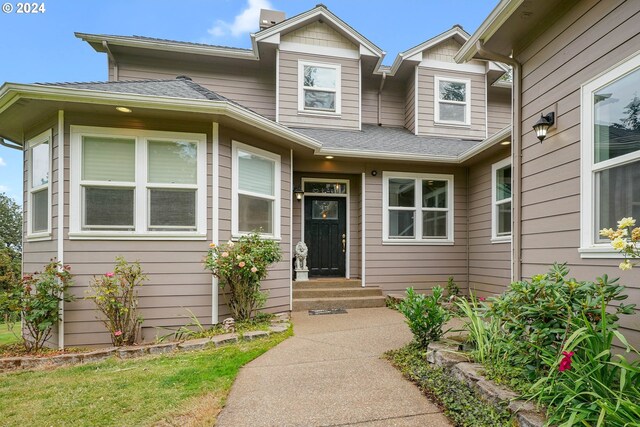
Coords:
325,234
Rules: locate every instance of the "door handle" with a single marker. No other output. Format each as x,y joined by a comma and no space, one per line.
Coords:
344,243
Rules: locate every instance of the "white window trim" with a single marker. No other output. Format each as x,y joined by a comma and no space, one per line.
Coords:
235,146
494,202
588,213
338,89
46,136
141,186
437,101
418,240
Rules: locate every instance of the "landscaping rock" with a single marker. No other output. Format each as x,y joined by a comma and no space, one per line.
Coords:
32,362
516,406
198,344
252,335
65,359
10,363
493,393
162,348
448,358
434,347
99,355
469,373
280,318
219,340
129,352
278,328
530,419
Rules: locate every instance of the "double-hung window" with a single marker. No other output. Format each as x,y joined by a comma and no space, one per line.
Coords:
501,201
452,104
39,186
256,191
138,183
417,208
319,88
610,154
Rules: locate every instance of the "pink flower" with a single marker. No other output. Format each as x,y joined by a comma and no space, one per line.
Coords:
225,254
117,333
108,274
482,299
241,264
254,270
565,363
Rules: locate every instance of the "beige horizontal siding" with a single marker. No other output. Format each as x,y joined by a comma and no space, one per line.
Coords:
250,83
426,112
498,110
350,93
585,41
410,102
489,263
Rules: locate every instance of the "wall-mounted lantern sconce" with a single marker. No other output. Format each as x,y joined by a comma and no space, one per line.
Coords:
298,193
543,124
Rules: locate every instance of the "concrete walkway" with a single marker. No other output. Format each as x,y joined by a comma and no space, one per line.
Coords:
330,374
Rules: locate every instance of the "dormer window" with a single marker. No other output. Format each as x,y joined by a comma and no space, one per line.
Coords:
452,104
319,88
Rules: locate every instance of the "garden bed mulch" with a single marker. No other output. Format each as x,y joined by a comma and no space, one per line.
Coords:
56,358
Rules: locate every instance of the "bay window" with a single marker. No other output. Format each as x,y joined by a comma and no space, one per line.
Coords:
417,208
39,186
501,201
137,183
256,191
451,103
610,154
319,87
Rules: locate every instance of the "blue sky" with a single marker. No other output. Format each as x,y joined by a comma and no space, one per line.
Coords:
42,47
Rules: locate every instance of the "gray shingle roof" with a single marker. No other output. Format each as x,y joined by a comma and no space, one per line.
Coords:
381,139
178,88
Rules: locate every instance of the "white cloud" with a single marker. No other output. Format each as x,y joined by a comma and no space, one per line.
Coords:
2,162
3,188
245,22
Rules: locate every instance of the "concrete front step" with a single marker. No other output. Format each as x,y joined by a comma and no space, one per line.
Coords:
303,304
328,283
336,292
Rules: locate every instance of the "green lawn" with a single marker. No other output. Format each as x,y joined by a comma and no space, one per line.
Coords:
6,336
183,389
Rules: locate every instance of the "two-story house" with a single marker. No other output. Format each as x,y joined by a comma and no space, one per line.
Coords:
393,176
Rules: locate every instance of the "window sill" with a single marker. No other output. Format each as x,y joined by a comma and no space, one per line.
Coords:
86,235
451,124
603,252
501,239
418,242
319,114
236,236
39,237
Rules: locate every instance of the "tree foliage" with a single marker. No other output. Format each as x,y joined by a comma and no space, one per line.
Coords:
10,224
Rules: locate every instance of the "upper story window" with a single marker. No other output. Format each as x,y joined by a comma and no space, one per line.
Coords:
417,208
501,201
137,183
39,186
256,191
452,104
610,154
319,86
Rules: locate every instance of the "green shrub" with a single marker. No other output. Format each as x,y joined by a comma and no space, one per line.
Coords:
37,302
9,283
116,296
453,291
461,404
240,267
425,315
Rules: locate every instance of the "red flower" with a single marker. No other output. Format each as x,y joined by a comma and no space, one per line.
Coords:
565,363
482,299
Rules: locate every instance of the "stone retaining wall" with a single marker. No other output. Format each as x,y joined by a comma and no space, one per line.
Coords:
279,325
458,363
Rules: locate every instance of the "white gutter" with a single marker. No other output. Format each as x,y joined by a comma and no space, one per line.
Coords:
10,144
60,233
492,140
113,59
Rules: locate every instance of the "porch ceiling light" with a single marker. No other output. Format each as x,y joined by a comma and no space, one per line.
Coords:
543,124
123,109
505,143
328,157
298,192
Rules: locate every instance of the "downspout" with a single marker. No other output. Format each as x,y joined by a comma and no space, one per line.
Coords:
60,231
384,78
516,158
116,75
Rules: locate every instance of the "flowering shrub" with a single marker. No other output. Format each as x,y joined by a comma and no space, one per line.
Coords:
116,296
425,315
37,301
240,267
625,240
